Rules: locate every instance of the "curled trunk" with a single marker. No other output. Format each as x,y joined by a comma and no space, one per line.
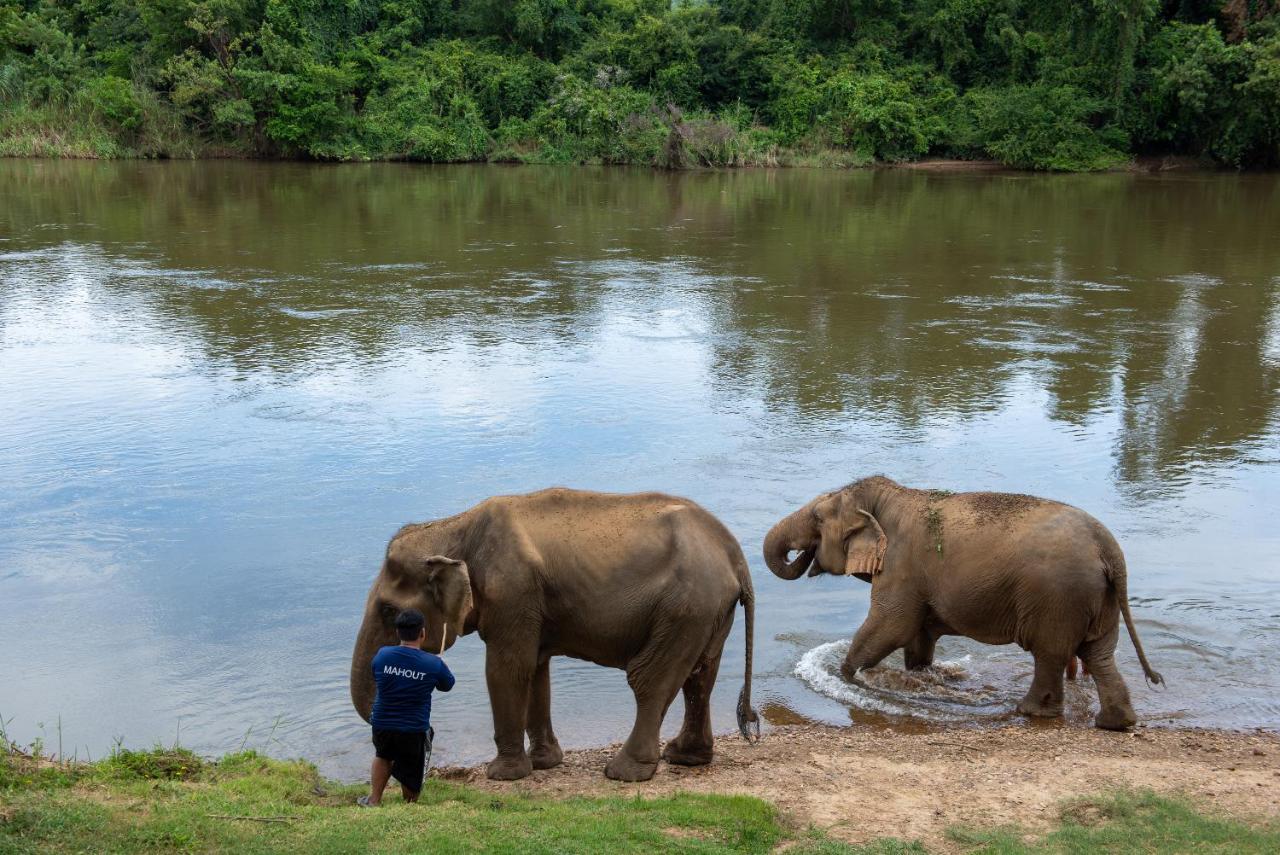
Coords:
796,531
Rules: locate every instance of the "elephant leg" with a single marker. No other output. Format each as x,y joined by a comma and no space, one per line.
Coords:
544,748
1116,710
877,638
654,675
693,744
919,652
509,672
1044,698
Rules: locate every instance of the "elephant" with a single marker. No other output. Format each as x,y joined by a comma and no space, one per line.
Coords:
996,567
646,582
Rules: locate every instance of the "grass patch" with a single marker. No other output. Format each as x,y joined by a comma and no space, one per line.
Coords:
1128,822
168,800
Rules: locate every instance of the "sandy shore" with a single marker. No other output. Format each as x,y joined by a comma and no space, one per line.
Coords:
859,784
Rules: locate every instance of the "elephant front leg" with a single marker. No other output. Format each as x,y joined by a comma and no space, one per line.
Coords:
544,748
919,652
875,639
509,675
1044,699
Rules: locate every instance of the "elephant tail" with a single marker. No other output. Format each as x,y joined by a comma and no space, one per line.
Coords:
1119,578
747,715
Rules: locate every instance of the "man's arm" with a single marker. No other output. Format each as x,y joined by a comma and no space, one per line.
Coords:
444,678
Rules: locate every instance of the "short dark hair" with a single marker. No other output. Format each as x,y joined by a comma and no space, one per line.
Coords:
409,624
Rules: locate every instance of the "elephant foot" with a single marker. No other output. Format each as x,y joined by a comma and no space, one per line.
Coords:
624,768
686,755
508,768
1115,718
546,756
1046,709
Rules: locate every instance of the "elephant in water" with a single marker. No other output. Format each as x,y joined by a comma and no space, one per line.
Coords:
647,583
995,567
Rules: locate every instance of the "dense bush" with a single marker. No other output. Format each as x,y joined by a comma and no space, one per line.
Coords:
1041,127
1032,83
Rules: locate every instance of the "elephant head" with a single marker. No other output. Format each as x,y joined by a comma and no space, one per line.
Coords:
835,533
438,586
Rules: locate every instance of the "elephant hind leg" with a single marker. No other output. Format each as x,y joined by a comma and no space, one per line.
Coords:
1116,710
1044,698
693,745
655,676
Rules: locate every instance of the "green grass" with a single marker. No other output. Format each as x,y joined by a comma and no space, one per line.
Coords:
1128,822
170,800
161,800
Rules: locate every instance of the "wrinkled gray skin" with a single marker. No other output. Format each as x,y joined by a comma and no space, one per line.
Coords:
647,583
996,567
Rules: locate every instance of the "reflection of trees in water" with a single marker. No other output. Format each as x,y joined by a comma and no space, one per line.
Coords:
931,295
898,296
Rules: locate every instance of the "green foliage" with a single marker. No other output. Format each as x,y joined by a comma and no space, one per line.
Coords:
114,101
1040,127
1032,83
884,115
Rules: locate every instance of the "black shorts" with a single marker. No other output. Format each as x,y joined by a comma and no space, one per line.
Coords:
407,751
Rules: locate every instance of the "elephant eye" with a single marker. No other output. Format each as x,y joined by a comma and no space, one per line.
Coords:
389,613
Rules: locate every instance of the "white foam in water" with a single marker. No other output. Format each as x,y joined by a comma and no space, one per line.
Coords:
819,668
888,689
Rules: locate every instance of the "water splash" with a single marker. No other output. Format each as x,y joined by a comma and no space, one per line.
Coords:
950,690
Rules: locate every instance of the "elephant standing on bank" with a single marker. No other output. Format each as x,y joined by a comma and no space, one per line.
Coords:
995,567
647,583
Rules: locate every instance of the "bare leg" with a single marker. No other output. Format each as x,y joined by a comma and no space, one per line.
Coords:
408,794
919,652
509,673
544,748
693,744
1116,710
379,774
1044,698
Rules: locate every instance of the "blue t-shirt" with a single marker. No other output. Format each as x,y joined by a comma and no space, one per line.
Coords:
405,677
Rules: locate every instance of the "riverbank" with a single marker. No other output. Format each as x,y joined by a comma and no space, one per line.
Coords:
805,789
859,785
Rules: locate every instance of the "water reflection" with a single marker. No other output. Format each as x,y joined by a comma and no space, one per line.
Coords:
225,384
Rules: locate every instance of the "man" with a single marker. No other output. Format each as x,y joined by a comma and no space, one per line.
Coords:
405,676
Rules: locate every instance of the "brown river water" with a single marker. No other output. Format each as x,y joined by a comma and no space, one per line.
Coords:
224,385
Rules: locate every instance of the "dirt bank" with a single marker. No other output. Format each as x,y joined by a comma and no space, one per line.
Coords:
860,784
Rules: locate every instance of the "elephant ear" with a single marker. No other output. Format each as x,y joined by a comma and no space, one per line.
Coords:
449,584
865,546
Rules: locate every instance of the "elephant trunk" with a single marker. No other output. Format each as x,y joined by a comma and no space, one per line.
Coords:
370,639
792,532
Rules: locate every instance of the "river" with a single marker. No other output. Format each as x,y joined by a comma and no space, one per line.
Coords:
224,385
